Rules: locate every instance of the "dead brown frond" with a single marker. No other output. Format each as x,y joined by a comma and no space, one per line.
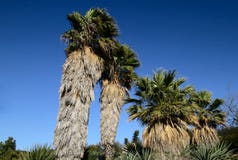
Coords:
204,135
166,138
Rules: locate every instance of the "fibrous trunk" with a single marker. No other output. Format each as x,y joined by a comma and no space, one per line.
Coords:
166,138
112,100
204,135
81,71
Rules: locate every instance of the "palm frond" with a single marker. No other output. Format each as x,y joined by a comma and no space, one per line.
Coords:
212,151
105,24
216,104
38,152
88,30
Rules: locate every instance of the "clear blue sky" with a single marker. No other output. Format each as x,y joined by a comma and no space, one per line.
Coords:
197,38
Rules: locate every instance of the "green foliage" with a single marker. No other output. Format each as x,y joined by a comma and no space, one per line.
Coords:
96,29
161,104
145,155
10,143
120,66
135,146
219,151
209,112
207,116
9,155
8,150
159,99
94,152
118,149
230,135
38,152
163,101
135,137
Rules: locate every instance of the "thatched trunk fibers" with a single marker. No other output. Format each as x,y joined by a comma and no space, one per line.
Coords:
166,138
204,135
81,71
112,100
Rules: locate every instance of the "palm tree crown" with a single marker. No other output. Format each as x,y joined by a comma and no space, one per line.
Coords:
96,29
90,40
209,112
159,99
120,67
208,116
117,78
161,106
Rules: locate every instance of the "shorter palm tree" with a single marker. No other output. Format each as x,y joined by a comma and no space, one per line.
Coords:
209,116
161,106
117,78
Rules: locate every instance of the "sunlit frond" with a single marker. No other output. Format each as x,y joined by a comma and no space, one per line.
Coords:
162,106
87,30
105,24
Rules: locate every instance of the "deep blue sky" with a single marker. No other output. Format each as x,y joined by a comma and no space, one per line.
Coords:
197,38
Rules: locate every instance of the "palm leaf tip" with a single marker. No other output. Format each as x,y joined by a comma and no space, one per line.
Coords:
87,30
216,104
106,25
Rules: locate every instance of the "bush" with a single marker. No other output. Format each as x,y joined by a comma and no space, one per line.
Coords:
219,151
145,155
38,152
8,150
230,135
93,152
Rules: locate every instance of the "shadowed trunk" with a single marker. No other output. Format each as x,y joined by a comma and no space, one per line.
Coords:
112,100
166,138
204,135
81,71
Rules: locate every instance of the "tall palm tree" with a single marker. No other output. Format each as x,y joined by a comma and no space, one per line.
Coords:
117,78
209,116
161,106
89,40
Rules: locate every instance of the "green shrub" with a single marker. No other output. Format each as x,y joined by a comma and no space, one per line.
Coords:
219,151
8,150
230,135
38,152
144,155
93,152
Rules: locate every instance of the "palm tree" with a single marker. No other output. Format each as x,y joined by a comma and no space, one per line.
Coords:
161,106
209,116
89,41
117,78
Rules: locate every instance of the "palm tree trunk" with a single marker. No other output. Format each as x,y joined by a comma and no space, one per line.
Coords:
204,135
81,71
166,138
112,100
